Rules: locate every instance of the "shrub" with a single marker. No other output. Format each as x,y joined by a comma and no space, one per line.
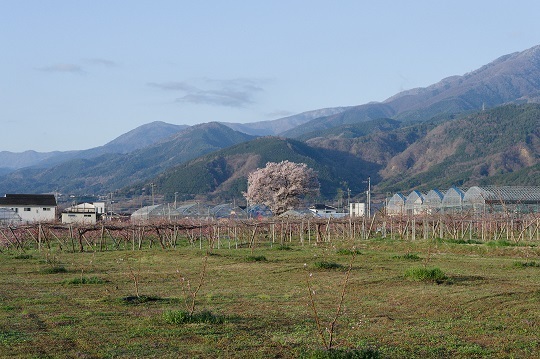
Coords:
422,274
23,256
183,317
283,247
327,265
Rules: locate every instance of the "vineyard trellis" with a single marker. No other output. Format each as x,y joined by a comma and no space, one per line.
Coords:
267,232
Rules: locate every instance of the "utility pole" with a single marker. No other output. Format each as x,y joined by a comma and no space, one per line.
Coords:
175,195
369,198
152,185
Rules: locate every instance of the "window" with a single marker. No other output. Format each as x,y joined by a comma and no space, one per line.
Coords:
88,215
46,209
27,209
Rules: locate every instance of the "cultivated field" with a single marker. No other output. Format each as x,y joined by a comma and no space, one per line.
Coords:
272,290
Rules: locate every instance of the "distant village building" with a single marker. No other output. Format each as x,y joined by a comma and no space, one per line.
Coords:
31,207
357,209
84,213
325,211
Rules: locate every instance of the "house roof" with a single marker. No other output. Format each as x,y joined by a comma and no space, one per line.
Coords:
28,200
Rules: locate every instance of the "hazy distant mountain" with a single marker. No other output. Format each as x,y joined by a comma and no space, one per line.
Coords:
274,127
139,137
511,78
112,171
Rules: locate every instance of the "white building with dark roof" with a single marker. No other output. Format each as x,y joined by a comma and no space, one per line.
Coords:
31,207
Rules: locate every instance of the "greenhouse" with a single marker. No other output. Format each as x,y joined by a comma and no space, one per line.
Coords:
8,216
490,199
396,204
452,201
433,201
227,210
414,204
156,212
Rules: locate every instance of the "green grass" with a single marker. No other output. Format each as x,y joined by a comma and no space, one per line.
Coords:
256,259
84,280
521,264
262,310
422,274
408,257
183,317
54,270
348,252
327,265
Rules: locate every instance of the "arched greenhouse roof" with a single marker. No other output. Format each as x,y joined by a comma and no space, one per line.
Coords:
8,216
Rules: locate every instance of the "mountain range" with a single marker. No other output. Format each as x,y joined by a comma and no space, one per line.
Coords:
479,128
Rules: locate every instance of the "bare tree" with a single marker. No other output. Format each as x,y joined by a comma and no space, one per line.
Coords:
281,185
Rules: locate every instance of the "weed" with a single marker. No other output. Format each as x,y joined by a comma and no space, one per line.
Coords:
422,274
23,256
256,259
184,317
283,247
84,280
327,265
526,264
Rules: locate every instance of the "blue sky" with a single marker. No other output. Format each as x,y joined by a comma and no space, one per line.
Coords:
77,74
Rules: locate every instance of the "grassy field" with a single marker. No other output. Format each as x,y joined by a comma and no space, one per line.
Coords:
425,299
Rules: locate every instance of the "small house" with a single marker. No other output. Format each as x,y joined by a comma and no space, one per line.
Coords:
31,207
84,213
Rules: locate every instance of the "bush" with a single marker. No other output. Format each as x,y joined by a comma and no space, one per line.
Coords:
283,247
183,317
422,274
327,265
23,256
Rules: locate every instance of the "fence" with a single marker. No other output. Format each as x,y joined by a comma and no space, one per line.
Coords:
268,232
